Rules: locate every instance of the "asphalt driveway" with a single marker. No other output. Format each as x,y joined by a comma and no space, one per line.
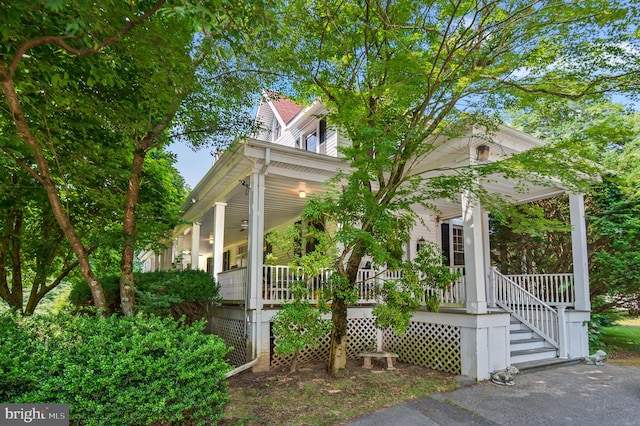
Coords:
570,395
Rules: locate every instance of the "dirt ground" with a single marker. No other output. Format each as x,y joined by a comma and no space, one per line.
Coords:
622,357
310,397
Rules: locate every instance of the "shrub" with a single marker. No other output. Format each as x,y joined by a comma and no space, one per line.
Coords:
117,371
163,293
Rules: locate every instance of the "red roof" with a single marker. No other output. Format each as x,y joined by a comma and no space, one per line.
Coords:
285,107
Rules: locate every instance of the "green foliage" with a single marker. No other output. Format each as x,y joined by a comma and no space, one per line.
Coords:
117,371
159,293
298,324
401,297
401,78
615,262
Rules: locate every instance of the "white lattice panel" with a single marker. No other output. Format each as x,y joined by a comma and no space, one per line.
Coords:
430,345
361,334
232,332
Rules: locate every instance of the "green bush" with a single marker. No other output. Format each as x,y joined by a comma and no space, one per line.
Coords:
115,371
163,293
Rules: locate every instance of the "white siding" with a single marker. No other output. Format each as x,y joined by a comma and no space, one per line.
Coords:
428,231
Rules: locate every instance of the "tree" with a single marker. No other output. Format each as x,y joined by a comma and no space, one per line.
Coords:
76,29
35,256
609,133
126,82
399,77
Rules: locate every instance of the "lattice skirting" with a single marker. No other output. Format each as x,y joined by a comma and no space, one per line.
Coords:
430,345
232,332
361,337
435,346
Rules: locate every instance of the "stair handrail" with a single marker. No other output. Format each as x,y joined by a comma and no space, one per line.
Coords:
526,307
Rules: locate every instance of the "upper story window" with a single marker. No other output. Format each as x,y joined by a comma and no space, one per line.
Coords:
276,130
322,128
314,138
311,142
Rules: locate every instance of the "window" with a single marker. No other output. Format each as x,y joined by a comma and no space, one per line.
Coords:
311,142
322,129
457,245
276,130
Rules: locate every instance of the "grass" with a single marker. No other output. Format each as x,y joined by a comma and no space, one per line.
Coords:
622,341
311,397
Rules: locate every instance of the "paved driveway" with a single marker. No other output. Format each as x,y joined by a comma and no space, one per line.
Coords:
578,394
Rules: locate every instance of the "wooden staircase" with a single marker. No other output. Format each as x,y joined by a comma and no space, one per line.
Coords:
528,347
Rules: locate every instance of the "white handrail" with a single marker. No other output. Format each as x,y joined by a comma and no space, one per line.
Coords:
554,289
532,311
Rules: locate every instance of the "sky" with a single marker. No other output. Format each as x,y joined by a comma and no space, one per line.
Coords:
191,165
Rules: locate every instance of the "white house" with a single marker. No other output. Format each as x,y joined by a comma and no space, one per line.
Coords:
486,321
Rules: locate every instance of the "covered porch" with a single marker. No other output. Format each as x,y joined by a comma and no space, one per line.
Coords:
258,186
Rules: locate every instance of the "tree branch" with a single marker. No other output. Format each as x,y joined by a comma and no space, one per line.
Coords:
60,41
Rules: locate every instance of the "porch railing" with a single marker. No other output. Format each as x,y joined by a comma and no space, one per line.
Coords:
553,289
233,284
278,280
525,306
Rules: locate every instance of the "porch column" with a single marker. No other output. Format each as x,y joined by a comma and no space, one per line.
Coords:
218,237
180,252
195,246
256,238
486,249
474,257
579,252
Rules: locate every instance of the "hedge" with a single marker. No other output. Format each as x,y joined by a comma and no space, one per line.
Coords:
114,371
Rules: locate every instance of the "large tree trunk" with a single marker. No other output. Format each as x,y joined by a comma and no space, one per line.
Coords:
338,348
142,148
338,345
10,254
127,285
44,177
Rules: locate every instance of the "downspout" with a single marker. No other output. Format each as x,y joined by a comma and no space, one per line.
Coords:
256,337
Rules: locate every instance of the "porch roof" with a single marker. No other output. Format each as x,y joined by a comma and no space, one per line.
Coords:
288,171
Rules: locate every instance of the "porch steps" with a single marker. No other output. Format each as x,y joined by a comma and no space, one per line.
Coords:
546,363
527,346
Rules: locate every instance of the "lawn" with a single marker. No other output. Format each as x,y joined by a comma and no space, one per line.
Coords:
622,341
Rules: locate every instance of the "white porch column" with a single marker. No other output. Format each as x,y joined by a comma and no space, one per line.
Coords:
180,252
474,257
256,238
579,252
195,245
486,249
218,237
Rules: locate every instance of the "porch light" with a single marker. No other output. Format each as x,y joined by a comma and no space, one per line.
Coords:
211,239
302,194
421,242
482,153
